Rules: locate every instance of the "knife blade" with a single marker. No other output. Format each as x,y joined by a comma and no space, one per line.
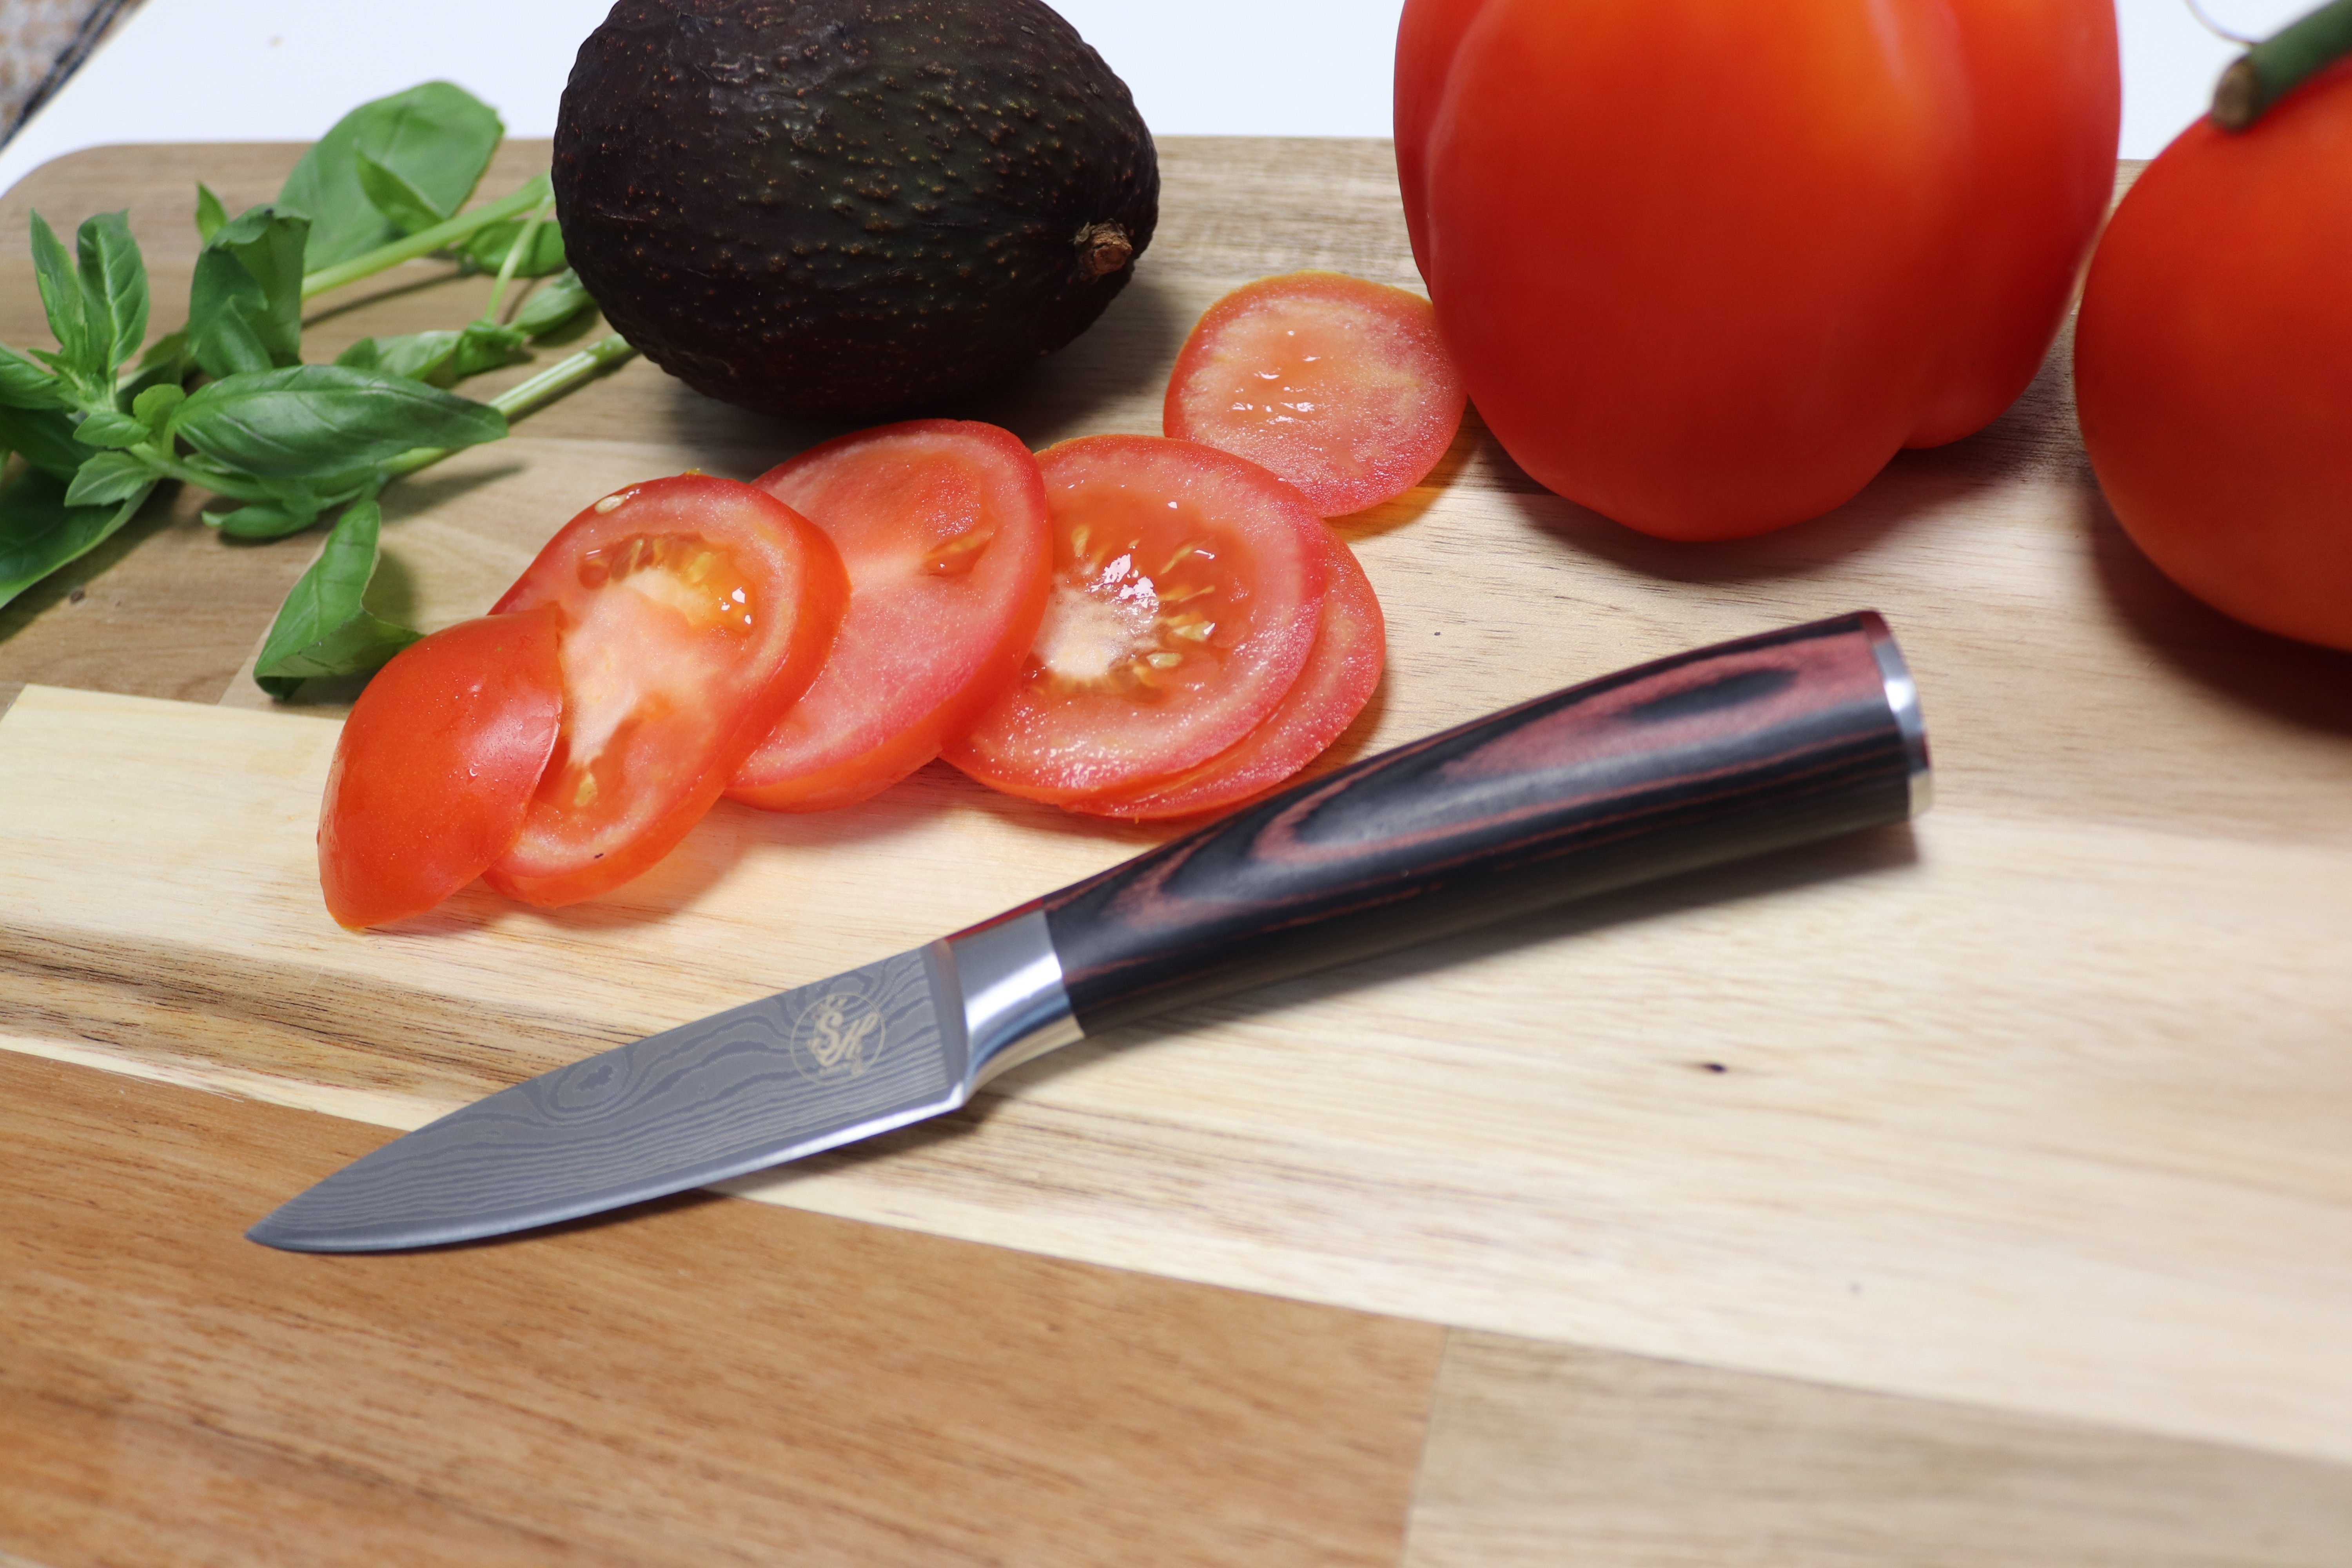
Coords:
1729,751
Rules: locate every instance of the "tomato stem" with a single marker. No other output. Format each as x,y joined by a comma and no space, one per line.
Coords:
2281,63
526,396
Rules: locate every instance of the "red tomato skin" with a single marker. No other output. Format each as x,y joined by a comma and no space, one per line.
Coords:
2213,363
914,668
1374,436
686,753
1341,674
1706,267
436,765
1043,745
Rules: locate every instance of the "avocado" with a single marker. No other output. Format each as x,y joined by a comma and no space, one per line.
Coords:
848,209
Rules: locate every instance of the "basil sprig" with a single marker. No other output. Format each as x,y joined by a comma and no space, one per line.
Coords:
227,402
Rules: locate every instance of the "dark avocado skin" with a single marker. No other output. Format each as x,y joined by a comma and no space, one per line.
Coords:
846,209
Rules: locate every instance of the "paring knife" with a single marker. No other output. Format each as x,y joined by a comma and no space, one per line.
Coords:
1731,751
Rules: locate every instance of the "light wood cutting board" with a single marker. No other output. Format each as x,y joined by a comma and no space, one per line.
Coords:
2037,1106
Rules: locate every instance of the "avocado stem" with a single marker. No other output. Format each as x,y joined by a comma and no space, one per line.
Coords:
527,397
2281,63
425,241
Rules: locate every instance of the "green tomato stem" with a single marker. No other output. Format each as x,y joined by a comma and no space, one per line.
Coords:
424,242
2281,63
526,397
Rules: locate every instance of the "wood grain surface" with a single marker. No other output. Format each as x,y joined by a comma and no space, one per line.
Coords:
2022,1126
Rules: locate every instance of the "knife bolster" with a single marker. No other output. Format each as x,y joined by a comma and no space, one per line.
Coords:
1015,1006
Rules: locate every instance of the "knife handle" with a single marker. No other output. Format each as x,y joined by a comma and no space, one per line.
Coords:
1708,756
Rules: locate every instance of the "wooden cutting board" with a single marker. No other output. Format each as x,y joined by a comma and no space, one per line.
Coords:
2026,1122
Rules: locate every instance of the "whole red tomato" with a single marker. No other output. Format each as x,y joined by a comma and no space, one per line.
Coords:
2213,363
1705,266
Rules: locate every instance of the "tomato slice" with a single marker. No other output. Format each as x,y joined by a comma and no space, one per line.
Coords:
436,765
695,611
1340,386
943,528
1187,585
1341,674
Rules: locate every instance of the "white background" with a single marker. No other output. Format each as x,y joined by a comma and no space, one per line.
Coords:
208,70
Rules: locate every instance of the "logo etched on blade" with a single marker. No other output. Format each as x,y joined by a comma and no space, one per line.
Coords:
839,1035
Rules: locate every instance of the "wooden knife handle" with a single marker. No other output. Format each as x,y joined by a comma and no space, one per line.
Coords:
1731,751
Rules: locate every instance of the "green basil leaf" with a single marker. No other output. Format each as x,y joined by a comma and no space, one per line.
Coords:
45,438
485,345
154,406
24,384
323,628
39,532
552,304
112,477
114,290
429,357
166,362
62,297
315,420
487,249
402,204
210,213
245,305
260,519
437,137
106,429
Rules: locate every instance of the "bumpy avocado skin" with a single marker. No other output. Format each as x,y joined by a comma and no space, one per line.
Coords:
848,209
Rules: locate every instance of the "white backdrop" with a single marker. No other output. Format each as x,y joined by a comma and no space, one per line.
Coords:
204,70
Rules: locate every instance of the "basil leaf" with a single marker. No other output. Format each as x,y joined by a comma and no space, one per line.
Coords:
429,357
245,305
112,477
154,406
322,628
260,519
166,362
486,345
437,137
487,249
552,303
62,297
39,532
114,290
210,213
402,204
314,419
24,384
45,438
106,429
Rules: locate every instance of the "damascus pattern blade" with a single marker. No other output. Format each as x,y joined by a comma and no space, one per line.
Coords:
807,1070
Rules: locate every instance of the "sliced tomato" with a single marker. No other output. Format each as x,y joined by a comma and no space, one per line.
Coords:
942,526
1187,585
1340,386
695,610
436,765
1341,674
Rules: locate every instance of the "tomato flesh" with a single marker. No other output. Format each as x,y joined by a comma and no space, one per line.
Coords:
943,528
1341,674
695,611
436,766
1187,587
1338,386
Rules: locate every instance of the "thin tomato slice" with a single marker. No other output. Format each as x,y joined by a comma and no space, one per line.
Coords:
695,611
1341,674
436,765
942,526
1187,585
1340,386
